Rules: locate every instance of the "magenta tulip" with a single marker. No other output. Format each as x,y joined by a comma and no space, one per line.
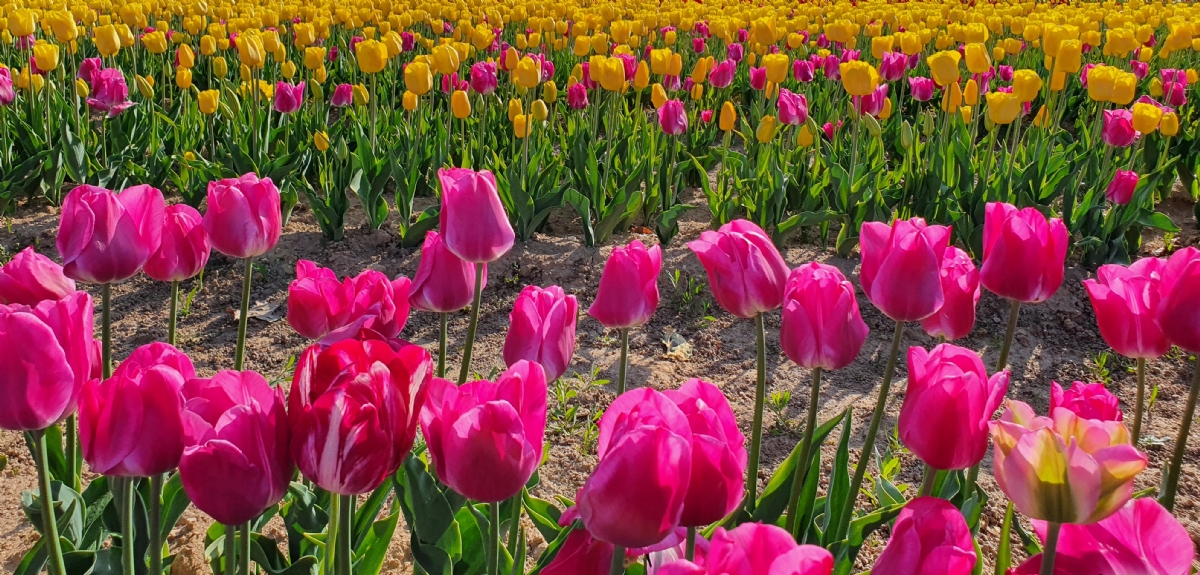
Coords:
483,78
930,537
635,496
822,327
793,107
318,303
474,225
484,438
802,70
756,549
30,278
110,93
1024,254
237,461
581,554
1121,188
758,78
1086,400
243,218
541,329
577,98
288,97
901,267
718,453
88,68
131,424
7,94
1126,300
353,411
672,118
960,293
872,104
628,293
1118,128
735,52
106,237
891,67
722,74
343,95
1178,310
184,249
922,88
444,282
745,271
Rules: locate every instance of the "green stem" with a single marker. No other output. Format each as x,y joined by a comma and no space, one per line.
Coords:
106,330
1013,312
1051,548
155,524
49,522
127,533
341,557
624,366
805,454
1141,398
1171,483
441,366
72,438
864,458
617,567
239,355
927,481
244,554
494,540
173,319
331,534
514,526
760,392
1004,547
466,361
230,550
690,549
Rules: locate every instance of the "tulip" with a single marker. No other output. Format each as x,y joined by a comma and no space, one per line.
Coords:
88,68
822,327
793,107
1118,128
577,97
944,67
184,248
722,74
484,78
1026,85
343,95
672,118
901,267
30,278
803,71
1086,400
1120,189
758,78
473,222
755,548
417,78
745,271
106,237
635,496
109,92
485,439
7,95
542,329
1023,253
728,117
582,554
372,56
1146,117
243,218
288,97
1176,314
892,65
237,461
872,104
960,293
858,77
930,537
718,453
628,292
922,88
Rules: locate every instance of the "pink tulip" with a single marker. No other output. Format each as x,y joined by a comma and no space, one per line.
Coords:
930,537
542,329
1087,400
1005,73
891,68
802,70
901,267
672,118
1142,538
706,116
236,463
378,304
1121,188
1139,68
718,453
30,278
628,293
831,67
635,496
1178,311
950,399
184,249
822,327
1118,128
1126,301
960,291
722,74
872,104
49,354
88,68
745,271
758,78
243,218
109,92
756,549
581,554
7,95
131,424
1063,468
474,225
485,439
793,107
1023,253
1175,93
483,78
288,97
353,411
922,88
106,237
318,303
698,45
343,95
577,98
444,283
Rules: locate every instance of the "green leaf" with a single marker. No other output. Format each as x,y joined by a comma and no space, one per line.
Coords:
1158,220
774,499
839,481
372,549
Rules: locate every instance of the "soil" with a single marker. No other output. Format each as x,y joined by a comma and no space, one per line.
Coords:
1055,341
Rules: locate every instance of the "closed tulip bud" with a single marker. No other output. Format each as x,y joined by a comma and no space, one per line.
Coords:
409,101
1178,291
360,95
550,92
901,267
184,57
372,56
1023,253
1125,301
672,118
977,58
522,126
718,453
658,96
628,293
208,101
362,398
1120,189
1086,400
822,326
1169,124
745,271
30,278
321,141
460,105
81,88
728,117
131,424
542,329
473,222
514,109
184,248
145,86
931,537
243,218
417,78
219,68
183,78
970,93
106,237
766,129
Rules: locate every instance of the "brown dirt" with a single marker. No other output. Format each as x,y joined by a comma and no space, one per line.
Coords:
1056,340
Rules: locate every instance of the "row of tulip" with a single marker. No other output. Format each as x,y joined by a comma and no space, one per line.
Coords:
675,489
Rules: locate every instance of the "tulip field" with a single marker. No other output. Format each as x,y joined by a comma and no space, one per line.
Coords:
599,288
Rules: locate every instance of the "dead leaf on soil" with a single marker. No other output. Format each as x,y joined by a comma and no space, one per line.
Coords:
267,311
678,348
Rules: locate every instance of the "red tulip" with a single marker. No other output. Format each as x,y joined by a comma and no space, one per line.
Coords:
236,463
541,329
628,293
353,412
1087,400
1023,253
901,267
130,425
184,248
48,355
444,282
745,271
1120,189
718,453
960,292
930,538
106,237
473,222
950,399
635,496
243,218
1178,311
1126,301
822,326
30,278
485,439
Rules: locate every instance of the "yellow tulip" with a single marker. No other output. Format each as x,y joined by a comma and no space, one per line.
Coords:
910,44
514,109
1124,88
1169,124
1026,85
766,129
697,92
22,22
245,73
145,86
63,25
1156,87
250,50
528,73
858,77
886,112
125,35
971,92
460,105
446,59
659,61
372,56
1058,81
106,40
952,98
1003,108
208,45
1146,117
641,78
304,35
409,101
155,42
81,88
538,110
321,141
183,78
288,69
965,112
320,75
1070,57
777,67
977,58
522,127
611,73
658,96
219,68
45,56
944,67
185,56
550,92
805,137
1101,80
881,45
728,117
417,78
583,46
1041,119
314,57
360,95
394,43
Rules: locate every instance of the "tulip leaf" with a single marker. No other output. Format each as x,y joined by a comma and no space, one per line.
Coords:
551,550
174,502
68,506
264,551
304,513
846,551
368,511
839,486
416,232
1158,220
428,512
1004,547
544,515
74,155
473,557
774,499
372,549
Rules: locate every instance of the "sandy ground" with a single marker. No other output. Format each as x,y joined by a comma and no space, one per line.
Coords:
1055,341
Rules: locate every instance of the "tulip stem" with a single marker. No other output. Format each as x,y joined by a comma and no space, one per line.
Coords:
331,533
1013,312
690,549
72,439
1171,483
154,521
1004,546
441,366
494,543
466,361
239,355
514,526
230,550
624,366
1139,402
864,458
244,554
49,522
928,481
799,478
173,319
1051,547
127,536
617,567
760,392
342,559
106,330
